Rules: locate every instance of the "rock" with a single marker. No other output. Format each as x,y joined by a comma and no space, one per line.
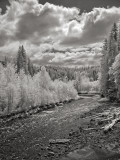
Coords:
35,111
48,148
43,148
45,107
111,146
30,112
60,104
57,103
70,100
59,141
52,105
100,122
88,153
71,133
83,154
48,111
51,153
103,100
65,101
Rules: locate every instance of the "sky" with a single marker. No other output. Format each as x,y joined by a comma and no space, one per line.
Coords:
57,32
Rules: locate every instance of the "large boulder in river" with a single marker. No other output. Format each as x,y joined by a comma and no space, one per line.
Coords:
89,153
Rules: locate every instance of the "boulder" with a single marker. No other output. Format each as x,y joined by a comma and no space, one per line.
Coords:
88,153
103,100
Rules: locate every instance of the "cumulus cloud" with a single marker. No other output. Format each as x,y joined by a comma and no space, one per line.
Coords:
93,27
29,20
54,34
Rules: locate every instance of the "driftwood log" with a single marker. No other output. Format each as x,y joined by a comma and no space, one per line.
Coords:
108,127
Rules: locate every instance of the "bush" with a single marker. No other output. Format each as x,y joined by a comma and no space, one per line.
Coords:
19,91
83,84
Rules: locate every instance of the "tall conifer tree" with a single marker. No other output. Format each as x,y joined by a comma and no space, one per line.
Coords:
24,62
104,70
112,53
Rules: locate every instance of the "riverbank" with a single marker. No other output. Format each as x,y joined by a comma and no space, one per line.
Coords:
30,138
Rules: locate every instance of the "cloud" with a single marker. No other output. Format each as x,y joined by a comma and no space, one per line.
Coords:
93,26
27,20
54,34
78,58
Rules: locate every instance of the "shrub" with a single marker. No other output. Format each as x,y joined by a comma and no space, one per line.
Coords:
19,91
83,84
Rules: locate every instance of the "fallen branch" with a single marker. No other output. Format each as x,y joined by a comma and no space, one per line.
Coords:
101,121
59,141
110,126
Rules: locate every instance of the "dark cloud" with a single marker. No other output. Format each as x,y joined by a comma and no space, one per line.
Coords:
30,24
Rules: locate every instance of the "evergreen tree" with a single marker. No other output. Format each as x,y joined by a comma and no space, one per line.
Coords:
115,31
104,70
112,53
22,60
30,67
119,36
112,90
112,45
6,61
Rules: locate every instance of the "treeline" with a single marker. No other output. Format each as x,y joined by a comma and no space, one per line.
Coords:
86,79
22,88
55,72
66,73
110,65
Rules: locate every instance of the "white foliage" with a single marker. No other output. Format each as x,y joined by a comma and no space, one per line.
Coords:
21,91
116,72
83,83
9,88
